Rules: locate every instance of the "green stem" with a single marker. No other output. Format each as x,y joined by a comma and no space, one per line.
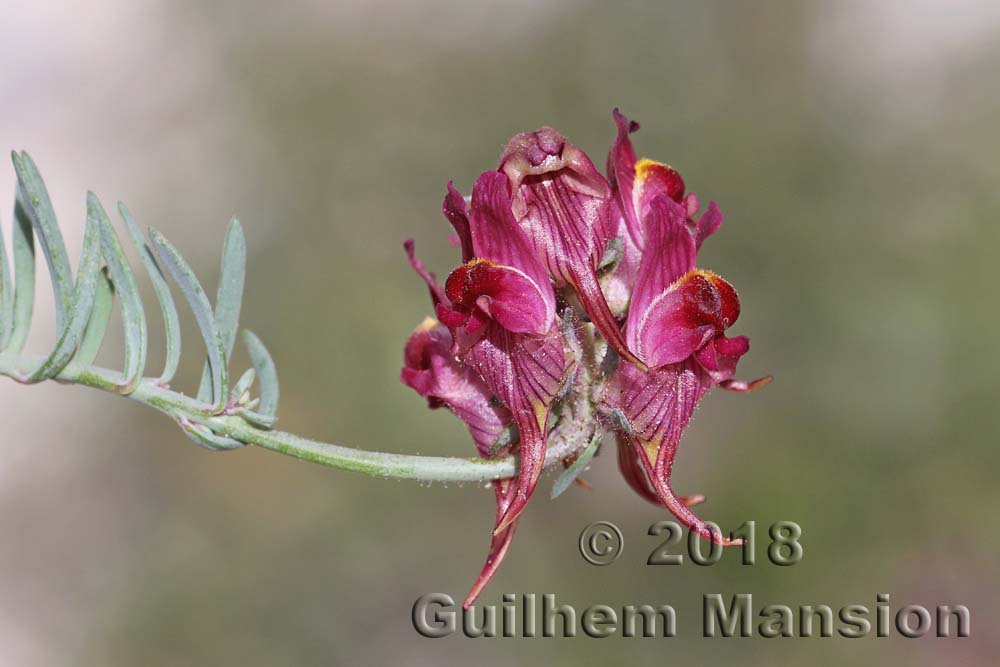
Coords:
377,464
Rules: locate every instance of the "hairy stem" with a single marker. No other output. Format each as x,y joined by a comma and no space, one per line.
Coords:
377,464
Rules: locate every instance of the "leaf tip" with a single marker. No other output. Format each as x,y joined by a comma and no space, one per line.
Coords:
93,203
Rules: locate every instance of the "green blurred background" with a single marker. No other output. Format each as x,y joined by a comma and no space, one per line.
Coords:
852,147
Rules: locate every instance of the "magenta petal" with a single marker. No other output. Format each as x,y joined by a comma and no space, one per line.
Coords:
496,237
467,327
515,304
437,293
658,406
499,542
637,183
654,179
588,288
621,173
562,203
525,372
545,153
707,357
669,339
560,200
495,233
450,317
657,403
736,346
720,356
660,474
564,206
707,224
672,328
455,210
678,322
670,254
504,293
634,472
619,285
431,370
691,204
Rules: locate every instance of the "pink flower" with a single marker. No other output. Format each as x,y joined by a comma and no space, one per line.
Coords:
676,324
542,232
500,309
433,372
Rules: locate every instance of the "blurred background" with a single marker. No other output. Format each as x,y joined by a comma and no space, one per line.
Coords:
852,147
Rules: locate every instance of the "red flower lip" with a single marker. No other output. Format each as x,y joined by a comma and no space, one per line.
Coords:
684,318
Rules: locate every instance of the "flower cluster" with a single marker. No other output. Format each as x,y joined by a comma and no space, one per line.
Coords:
528,338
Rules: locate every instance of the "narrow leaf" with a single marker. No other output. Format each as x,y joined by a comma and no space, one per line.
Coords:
508,436
171,320
575,468
255,418
620,421
6,296
36,202
203,436
133,316
188,283
104,300
23,247
81,304
612,254
229,297
267,374
242,387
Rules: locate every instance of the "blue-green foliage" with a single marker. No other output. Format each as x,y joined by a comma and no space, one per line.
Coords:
103,276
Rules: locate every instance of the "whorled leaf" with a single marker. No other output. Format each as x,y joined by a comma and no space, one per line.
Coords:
203,436
84,305
255,418
267,374
240,393
229,297
571,473
80,306
184,276
171,320
6,297
97,325
23,249
133,316
508,436
35,201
